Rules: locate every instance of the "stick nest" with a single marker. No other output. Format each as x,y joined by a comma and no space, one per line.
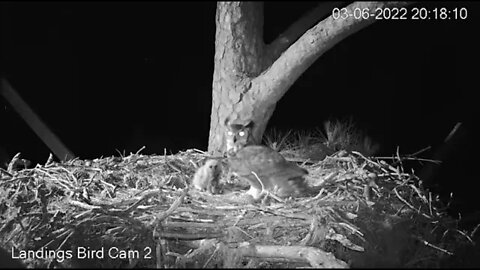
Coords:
138,211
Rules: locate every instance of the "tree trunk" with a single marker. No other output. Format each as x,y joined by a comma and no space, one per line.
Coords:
238,56
250,77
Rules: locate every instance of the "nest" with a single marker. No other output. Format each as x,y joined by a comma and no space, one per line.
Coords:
138,211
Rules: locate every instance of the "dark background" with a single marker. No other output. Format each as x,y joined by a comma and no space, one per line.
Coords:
120,75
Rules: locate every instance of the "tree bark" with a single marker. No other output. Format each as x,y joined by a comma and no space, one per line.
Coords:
238,55
250,77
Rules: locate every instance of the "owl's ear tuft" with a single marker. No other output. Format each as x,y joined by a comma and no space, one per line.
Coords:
227,120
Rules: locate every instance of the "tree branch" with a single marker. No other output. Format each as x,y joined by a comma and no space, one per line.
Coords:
285,39
316,257
275,81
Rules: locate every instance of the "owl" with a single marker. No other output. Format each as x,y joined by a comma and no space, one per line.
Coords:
264,168
207,176
238,136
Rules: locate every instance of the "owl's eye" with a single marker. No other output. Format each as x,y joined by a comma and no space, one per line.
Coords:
241,133
229,133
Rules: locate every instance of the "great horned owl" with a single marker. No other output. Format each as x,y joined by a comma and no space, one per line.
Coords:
238,136
264,168
207,176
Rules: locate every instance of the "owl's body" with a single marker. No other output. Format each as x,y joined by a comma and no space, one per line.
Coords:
264,168
207,176
267,170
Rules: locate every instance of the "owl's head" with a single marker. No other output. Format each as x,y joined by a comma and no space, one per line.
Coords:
213,165
238,135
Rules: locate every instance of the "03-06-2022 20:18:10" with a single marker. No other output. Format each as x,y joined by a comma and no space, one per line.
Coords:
402,13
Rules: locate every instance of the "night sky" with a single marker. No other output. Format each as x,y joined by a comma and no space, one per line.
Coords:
120,75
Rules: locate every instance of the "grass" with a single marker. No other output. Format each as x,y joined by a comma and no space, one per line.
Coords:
336,135
277,140
345,135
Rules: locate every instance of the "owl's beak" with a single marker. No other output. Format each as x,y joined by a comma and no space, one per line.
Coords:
231,151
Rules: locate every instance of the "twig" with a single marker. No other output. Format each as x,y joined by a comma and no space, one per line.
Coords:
433,246
452,132
351,227
6,172
466,236
311,231
50,160
217,248
122,155
84,205
173,207
316,257
239,217
189,237
474,231
278,213
412,158
330,195
320,193
409,205
260,181
12,163
199,151
420,151
419,194
399,159
264,190
301,160
137,203
140,150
